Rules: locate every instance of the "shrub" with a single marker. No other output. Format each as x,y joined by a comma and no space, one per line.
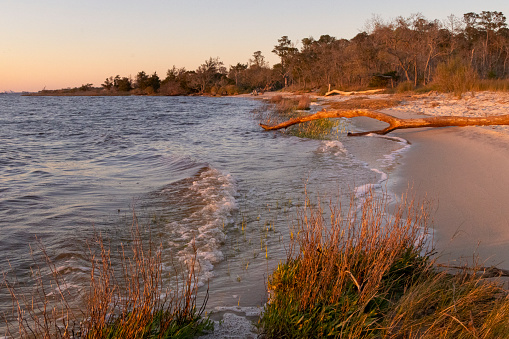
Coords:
456,76
276,99
304,103
405,86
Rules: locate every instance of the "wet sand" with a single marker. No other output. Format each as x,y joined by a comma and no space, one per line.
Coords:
465,173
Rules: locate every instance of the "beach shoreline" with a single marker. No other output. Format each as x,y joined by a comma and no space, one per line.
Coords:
462,172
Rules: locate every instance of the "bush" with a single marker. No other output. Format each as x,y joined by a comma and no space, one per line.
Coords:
172,88
405,86
456,76
231,90
304,103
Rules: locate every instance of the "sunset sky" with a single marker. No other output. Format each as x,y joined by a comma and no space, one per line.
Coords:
57,44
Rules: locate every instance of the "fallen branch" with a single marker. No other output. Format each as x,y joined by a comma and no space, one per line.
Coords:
371,91
395,123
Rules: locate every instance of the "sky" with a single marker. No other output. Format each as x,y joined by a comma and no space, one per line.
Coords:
58,44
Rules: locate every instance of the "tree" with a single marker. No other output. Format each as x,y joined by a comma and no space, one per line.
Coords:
481,31
123,84
285,50
258,59
154,82
142,80
236,72
209,73
177,82
108,83
86,87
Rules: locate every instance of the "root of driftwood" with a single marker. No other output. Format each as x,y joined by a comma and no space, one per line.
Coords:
395,123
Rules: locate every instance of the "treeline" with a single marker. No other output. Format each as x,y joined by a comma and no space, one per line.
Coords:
212,77
412,50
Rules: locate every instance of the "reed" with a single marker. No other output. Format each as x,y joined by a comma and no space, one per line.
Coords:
369,273
131,299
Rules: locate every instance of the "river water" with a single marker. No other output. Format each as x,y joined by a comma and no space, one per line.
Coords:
198,169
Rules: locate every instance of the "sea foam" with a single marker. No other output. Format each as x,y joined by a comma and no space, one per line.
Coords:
209,199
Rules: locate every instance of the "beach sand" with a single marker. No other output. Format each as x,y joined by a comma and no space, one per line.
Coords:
464,172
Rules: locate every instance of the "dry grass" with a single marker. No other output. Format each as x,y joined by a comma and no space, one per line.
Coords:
368,274
290,103
130,300
456,76
366,103
304,102
495,85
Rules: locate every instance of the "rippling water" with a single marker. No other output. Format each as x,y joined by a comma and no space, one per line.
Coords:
201,167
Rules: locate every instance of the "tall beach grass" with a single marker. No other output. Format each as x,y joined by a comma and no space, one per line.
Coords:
129,295
369,273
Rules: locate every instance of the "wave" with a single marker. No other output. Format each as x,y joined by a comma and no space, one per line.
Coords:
202,208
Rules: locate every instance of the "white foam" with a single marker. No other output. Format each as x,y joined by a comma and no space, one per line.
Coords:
333,146
361,191
233,326
212,195
364,191
391,158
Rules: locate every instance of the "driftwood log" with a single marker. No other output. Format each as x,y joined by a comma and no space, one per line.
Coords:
395,123
371,91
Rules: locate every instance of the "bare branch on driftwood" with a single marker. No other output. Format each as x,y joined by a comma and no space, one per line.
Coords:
396,123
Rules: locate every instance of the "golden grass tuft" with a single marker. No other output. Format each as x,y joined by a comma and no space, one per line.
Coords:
368,274
129,300
366,103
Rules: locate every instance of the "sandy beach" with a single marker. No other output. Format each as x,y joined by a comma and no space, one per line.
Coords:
463,171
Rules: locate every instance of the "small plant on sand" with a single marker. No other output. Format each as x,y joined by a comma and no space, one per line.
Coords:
128,300
368,274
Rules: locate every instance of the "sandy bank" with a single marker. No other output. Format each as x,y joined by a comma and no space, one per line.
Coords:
465,171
